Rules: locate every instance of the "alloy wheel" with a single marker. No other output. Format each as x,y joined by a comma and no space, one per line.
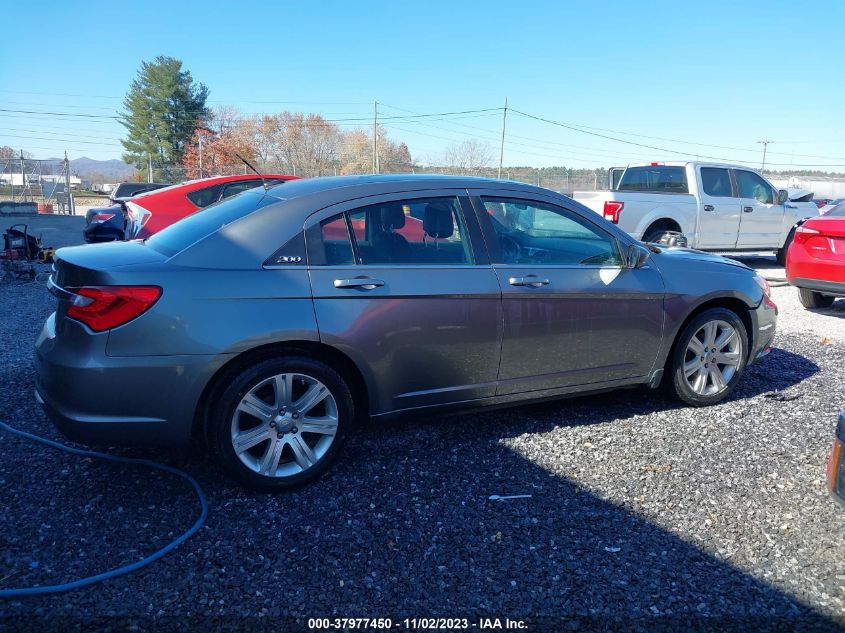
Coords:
284,425
712,357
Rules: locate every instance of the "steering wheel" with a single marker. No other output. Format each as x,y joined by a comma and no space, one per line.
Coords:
511,250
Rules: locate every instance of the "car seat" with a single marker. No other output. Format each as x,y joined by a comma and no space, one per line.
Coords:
394,245
437,221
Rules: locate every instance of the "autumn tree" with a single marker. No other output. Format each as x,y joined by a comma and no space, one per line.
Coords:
162,110
468,157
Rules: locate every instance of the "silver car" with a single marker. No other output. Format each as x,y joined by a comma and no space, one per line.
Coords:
268,323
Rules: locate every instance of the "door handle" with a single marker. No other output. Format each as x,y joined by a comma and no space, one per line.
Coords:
531,280
748,209
364,283
709,207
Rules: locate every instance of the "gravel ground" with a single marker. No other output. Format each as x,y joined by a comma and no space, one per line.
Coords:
639,510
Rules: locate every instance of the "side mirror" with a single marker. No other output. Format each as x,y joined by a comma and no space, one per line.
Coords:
783,196
637,256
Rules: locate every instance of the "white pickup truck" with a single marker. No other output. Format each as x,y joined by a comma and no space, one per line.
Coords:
717,207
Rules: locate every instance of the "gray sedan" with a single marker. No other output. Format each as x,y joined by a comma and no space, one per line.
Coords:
267,324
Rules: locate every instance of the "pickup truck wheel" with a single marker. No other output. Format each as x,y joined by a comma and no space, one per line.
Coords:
652,236
813,299
708,358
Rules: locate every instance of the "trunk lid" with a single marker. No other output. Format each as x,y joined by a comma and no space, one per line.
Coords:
93,264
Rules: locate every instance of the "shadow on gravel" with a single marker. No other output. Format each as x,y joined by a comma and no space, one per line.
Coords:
403,526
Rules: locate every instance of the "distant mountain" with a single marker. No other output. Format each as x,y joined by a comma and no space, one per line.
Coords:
113,170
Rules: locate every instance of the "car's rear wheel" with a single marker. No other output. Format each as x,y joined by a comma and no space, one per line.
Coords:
709,357
813,299
281,423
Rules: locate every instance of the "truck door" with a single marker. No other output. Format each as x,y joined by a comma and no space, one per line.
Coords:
719,210
762,216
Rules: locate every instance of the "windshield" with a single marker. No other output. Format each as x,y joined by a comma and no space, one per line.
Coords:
179,236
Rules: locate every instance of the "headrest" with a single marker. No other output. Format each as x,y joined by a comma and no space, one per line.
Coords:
437,221
392,217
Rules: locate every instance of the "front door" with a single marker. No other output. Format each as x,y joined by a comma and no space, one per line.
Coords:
719,209
762,216
402,287
573,314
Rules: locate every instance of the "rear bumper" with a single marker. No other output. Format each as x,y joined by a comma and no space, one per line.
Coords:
95,233
764,321
828,287
97,399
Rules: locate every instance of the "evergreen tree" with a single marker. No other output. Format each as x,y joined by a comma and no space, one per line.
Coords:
162,109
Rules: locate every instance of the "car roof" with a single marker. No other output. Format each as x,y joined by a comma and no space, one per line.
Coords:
312,186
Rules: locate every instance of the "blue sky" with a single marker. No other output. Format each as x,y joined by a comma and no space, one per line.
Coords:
694,74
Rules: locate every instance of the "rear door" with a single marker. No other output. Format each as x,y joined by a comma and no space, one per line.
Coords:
719,209
573,314
762,216
402,284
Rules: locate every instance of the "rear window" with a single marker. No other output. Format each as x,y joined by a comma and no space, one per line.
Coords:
662,179
180,235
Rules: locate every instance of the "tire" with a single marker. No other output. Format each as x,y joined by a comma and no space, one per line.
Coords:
275,454
812,299
652,235
780,255
691,390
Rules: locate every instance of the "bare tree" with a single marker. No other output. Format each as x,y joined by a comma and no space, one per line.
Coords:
468,157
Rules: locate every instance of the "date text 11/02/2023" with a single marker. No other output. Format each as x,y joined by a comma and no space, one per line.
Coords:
416,624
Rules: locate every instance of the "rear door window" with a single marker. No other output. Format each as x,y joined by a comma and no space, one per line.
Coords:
716,182
419,231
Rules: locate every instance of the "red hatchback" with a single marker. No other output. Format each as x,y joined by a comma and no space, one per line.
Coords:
815,261
151,212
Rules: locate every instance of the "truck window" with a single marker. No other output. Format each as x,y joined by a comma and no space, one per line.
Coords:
661,179
752,186
716,182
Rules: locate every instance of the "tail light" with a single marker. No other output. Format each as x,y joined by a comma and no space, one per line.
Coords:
105,307
612,209
804,233
102,217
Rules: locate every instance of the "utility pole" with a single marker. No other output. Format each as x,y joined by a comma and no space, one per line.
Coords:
150,168
765,145
23,179
200,154
502,146
375,138
70,209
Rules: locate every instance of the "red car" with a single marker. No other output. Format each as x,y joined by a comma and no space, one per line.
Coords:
815,261
150,212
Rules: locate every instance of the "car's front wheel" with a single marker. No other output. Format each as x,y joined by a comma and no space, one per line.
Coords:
813,299
281,422
709,357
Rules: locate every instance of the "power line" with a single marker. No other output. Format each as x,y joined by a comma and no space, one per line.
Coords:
660,149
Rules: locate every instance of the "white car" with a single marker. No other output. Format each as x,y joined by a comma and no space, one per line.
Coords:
716,207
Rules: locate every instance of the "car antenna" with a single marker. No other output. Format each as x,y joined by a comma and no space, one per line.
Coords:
248,164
